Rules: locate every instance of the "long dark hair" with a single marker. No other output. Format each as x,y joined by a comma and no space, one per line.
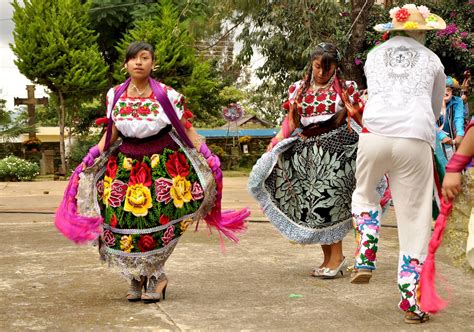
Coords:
329,55
134,48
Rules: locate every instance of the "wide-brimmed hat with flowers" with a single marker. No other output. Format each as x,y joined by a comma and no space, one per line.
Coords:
412,17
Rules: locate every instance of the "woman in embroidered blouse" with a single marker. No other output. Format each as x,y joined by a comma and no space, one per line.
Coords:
154,185
305,181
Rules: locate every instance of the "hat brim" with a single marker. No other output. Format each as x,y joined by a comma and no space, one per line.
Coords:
440,25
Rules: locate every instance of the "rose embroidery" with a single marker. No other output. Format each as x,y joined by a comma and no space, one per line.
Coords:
100,188
180,191
146,243
138,196
109,238
111,169
404,305
118,190
177,165
196,192
164,219
154,160
113,221
126,243
168,236
162,189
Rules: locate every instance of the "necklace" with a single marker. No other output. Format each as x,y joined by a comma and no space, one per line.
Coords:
140,93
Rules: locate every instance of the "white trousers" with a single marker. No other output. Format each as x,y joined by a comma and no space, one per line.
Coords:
409,165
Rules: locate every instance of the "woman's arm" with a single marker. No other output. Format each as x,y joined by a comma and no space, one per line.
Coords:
192,134
113,138
452,180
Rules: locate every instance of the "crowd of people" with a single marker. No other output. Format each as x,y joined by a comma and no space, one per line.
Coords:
328,171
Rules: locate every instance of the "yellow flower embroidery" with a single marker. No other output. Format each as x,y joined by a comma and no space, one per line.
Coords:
126,243
127,163
107,189
184,224
181,191
410,25
155,159
138,200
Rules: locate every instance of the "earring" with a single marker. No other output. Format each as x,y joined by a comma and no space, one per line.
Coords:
124,68
155,68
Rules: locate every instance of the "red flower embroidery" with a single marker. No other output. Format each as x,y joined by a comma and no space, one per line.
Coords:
140,173
350,90
113,221
168,236
370,254
109,238
164,219
404,305
118,189
321,97
146,243
309,99
292,88
332,107
100,188
321,108
332,97
177,165
162,189
309,110
111,170
197,192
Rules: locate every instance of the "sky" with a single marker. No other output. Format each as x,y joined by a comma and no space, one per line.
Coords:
12,82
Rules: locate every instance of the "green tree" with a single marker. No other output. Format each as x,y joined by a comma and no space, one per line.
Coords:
55,48
177,62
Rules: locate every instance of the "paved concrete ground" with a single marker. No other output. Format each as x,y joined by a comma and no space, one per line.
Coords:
48,283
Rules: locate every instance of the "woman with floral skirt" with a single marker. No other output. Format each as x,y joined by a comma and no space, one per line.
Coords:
159,179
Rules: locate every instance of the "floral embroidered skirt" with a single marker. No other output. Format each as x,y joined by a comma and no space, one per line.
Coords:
305,186
148,193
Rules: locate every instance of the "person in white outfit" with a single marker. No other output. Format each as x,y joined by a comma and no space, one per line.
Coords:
406,83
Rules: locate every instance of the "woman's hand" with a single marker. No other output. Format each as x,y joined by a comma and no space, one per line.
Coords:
451,185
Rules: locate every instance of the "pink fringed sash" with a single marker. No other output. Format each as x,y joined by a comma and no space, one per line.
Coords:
77,228
229,222
429,299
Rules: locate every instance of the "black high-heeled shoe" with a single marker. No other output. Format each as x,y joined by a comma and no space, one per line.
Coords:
134,294
156,290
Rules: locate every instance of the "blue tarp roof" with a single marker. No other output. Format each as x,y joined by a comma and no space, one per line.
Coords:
215,133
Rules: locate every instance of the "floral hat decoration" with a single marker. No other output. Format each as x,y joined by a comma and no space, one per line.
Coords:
412,17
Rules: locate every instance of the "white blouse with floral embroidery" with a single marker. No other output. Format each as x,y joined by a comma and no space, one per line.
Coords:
319,105
142,117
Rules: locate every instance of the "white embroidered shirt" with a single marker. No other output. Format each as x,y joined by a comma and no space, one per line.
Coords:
406,83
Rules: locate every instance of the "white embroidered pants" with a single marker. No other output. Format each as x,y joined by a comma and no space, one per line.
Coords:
408,163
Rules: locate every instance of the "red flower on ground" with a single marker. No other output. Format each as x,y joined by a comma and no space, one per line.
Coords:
177,165
111,169
146,243
370,254
321,108
164,219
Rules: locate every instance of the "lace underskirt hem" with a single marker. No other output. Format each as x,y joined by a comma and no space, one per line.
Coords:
134,266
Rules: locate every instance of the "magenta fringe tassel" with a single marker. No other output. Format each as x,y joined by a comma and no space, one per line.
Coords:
429,299
77,228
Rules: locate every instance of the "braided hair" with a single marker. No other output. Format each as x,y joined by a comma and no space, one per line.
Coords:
329,55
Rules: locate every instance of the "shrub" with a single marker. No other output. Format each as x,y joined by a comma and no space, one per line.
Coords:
217,150
18,169
80,148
